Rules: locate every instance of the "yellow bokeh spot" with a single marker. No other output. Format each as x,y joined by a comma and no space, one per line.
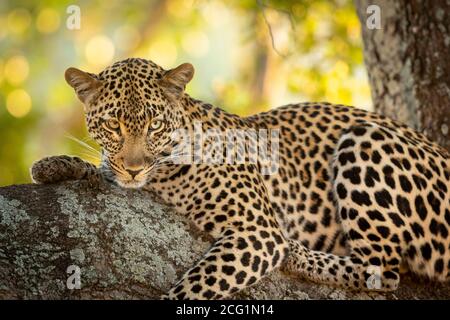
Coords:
99,51
196,43
179,8
18,103
19,21
16,70
164,52
48,20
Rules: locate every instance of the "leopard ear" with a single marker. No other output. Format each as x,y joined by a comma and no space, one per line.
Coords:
85,85
174,81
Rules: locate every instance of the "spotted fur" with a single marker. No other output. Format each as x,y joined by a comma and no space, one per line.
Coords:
355,191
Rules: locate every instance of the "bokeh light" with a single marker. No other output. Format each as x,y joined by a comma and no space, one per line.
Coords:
16,70
48,20
179,8
228,42
164,52
100,51
18,103
195,43
19,21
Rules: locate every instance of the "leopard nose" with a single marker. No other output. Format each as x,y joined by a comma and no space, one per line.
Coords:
134,173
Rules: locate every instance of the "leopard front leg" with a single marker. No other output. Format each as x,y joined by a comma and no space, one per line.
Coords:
61,168
237,260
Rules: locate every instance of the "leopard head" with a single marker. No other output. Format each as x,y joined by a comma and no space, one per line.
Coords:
132,108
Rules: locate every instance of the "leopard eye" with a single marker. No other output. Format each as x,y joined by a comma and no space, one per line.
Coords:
156,124
112,124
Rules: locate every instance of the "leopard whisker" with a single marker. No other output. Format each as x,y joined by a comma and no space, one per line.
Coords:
95,153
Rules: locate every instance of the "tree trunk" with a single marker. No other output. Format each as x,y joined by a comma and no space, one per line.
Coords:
408,63
126,246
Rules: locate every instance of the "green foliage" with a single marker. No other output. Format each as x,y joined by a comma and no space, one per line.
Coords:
249,56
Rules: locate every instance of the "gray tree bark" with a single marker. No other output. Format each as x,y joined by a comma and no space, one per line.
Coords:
127,246
408,63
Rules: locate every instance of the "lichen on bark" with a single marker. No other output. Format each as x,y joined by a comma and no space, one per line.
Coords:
127,246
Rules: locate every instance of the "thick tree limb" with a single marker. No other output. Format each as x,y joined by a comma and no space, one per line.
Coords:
127,247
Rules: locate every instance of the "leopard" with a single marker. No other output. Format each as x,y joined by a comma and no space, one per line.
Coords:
354,195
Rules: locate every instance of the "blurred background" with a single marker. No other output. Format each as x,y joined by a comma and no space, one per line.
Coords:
249,56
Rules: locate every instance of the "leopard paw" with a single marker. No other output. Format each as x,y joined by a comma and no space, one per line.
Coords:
93,178
48,170
61,168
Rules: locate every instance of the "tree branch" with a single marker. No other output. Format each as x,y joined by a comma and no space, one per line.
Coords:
127,246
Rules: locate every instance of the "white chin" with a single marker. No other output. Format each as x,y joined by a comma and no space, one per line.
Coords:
131,184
